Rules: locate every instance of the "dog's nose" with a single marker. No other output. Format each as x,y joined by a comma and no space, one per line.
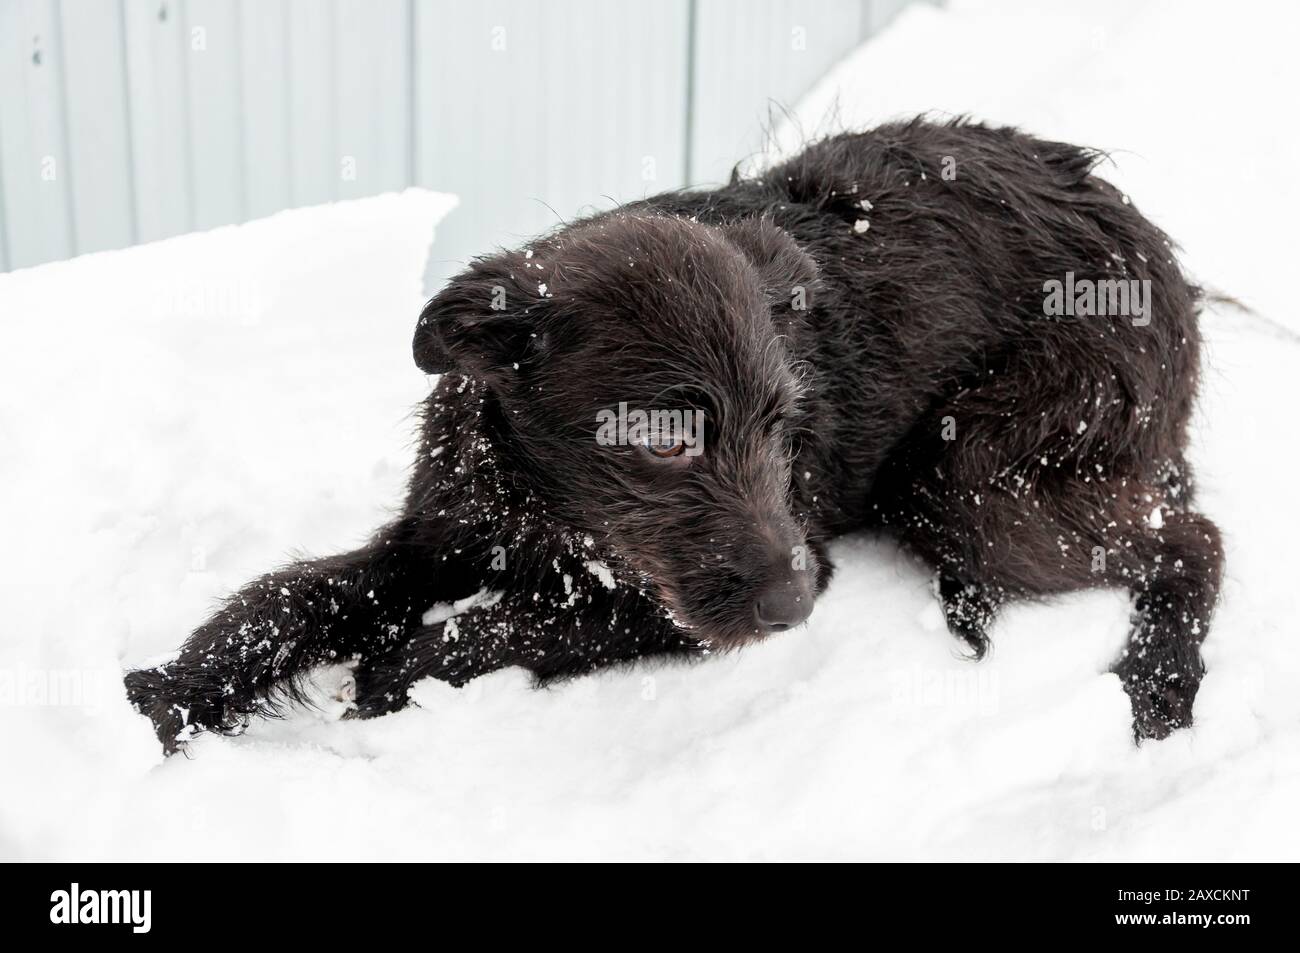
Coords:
783,606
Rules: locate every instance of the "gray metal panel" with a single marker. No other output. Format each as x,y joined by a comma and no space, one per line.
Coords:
264,85
314,155
374,90
99,145
170,115
616,97
876,14
156,52
33,151
756,58
568,101
480,141
4,244
212,64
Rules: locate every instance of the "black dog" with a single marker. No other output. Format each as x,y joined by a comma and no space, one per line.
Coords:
872,335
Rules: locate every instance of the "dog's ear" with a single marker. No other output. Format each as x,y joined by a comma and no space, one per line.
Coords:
789,274
481,325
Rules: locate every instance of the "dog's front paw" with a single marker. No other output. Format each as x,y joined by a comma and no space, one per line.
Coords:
176,718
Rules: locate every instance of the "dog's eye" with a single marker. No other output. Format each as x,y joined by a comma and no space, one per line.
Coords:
664,447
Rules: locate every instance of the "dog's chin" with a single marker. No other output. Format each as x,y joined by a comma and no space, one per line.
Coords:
725,640
715,634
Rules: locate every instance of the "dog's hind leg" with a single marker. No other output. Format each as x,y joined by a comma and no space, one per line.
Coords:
1056,533
1173,571
250,656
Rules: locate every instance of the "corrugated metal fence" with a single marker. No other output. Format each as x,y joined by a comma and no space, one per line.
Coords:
125,121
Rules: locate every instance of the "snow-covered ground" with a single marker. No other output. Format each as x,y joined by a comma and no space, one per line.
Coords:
179,417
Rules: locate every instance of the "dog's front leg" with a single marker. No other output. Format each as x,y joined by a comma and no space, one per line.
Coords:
553,633
250,655
456,642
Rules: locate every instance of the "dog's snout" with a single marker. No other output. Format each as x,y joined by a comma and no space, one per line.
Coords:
783,605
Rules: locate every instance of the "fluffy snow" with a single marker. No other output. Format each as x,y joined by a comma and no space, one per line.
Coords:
179,417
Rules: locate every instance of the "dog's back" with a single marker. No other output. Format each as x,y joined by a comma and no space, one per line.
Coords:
935,244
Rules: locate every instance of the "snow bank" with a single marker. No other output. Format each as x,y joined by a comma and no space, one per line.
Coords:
175,418
152,464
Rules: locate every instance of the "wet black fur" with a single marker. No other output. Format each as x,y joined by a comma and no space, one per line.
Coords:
1065,433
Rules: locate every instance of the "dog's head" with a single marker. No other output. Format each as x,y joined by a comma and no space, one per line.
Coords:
646,393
